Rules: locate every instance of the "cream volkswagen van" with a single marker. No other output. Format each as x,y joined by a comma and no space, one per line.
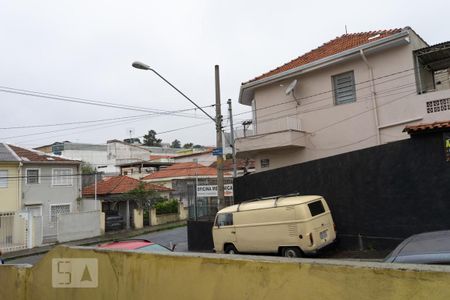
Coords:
287,225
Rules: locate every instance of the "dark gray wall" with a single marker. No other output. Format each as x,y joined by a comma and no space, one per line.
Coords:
383,193
200,236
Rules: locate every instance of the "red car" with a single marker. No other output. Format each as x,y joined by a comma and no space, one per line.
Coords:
137,244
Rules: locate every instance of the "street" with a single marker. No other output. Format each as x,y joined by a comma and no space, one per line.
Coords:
177,236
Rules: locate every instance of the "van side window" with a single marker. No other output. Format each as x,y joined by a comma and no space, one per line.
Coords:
224,220
316,208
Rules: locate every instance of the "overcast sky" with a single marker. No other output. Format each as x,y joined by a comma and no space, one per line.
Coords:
84,49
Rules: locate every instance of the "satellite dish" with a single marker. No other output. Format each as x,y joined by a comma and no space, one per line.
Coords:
291,87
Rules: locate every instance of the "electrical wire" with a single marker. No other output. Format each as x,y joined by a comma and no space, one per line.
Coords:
56,97
329,91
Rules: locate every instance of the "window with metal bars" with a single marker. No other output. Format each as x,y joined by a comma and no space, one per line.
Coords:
56,210
344,88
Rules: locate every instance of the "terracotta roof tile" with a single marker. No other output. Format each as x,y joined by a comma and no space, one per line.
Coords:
37,156
120,185
335,46
412,129
183,170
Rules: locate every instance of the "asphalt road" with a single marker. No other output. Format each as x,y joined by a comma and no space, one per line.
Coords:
176,236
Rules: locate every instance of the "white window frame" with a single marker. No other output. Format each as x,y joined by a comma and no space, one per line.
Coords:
5,179
59,204
33,169
54,177
335,89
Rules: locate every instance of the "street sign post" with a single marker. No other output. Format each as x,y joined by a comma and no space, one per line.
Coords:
218,151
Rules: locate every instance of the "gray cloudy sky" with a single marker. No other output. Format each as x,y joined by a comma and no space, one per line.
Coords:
84,49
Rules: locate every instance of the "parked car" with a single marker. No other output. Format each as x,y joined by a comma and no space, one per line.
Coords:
425,248
287,225
136,244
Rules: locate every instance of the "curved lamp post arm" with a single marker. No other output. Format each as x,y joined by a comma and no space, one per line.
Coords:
142,66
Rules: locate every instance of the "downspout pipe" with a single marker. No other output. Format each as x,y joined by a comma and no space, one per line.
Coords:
373,96
19,184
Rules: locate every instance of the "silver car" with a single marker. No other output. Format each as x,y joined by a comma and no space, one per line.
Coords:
425,248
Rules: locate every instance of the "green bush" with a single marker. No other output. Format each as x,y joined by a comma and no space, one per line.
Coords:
166,207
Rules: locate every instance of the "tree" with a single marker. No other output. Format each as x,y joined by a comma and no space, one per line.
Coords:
151,140
87,168
188,145
176,144
143,197
198,146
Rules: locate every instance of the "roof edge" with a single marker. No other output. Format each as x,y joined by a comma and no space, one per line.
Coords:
12,152
245,99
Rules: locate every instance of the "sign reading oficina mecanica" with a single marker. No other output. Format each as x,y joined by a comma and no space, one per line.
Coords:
211,190
447,145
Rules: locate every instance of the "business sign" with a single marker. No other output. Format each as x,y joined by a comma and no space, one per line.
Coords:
57,148
447,145
211,190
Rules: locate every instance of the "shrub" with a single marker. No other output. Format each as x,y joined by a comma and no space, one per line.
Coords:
166,207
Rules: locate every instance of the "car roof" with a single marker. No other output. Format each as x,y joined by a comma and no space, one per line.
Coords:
435,242
127,244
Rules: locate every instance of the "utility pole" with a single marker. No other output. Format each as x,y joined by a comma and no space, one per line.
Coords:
219,144
230,113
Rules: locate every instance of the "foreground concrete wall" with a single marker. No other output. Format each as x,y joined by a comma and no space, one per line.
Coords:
130,275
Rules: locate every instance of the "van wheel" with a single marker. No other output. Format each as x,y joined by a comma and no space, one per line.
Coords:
291,252
230,249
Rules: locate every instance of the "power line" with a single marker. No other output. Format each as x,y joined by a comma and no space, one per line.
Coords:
121,123
56,97
327,106
65,129
394,91
342,120
85,122
329,91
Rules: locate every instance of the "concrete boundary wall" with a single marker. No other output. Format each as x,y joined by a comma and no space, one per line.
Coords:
131,275
77,226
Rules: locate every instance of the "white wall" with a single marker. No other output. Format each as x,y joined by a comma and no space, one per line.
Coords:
205,159
78,226
333,129
93,157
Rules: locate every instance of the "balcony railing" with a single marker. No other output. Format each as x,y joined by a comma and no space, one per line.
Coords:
269,126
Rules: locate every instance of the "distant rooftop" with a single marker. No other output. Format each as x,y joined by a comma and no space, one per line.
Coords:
27,155
6,154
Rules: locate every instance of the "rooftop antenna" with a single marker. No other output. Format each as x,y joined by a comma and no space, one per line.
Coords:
130,131
345,28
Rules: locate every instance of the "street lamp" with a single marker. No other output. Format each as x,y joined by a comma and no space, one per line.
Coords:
217,121
141,66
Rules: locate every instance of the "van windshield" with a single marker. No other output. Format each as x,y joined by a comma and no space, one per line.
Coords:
224,220
316,208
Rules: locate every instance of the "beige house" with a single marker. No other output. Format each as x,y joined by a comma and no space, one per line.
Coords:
356,91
